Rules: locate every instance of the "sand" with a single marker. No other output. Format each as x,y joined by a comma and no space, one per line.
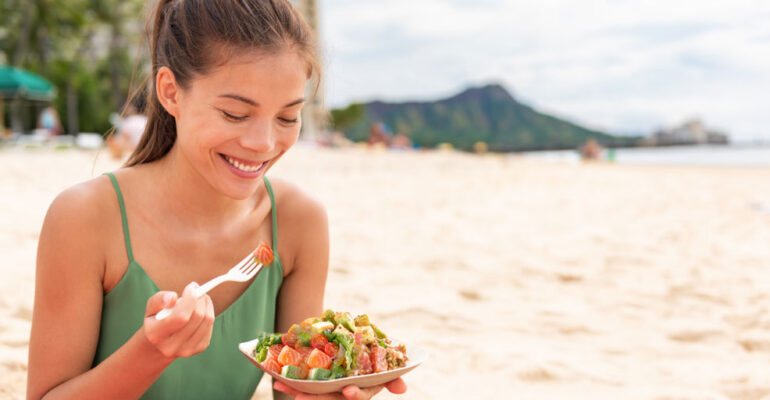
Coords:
523,279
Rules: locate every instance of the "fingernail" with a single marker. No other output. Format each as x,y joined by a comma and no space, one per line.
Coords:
167,298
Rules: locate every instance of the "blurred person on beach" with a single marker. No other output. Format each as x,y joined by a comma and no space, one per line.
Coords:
49,122
191,200
128,132
401,142
591,150
379,136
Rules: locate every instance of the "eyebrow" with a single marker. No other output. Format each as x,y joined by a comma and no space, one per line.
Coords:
254,103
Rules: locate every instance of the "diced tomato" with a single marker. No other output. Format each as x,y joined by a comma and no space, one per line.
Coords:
272,365
319,359
289,356
358,338
274,350
331,349
377,355
289,339
319,341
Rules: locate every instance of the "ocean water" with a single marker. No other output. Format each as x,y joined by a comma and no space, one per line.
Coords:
720,156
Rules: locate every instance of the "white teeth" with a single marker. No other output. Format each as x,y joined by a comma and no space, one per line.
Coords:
242,167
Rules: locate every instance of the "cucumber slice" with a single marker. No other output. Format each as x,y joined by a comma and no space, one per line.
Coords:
291,371
338,372
319,374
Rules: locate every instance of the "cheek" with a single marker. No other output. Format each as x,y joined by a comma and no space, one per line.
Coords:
196,137
289,137
201,127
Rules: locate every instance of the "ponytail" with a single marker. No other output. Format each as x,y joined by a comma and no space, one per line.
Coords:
160,132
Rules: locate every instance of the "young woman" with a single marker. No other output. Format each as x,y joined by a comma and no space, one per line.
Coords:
192,200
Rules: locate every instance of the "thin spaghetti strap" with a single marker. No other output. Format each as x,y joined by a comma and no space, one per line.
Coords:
273,212
122,204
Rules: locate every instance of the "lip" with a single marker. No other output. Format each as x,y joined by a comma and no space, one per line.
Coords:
245,174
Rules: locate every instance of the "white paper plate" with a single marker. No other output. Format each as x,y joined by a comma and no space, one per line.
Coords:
416,356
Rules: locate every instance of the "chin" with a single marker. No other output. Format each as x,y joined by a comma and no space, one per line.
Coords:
241,192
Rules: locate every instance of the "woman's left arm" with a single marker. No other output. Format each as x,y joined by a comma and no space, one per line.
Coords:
305,230
304,250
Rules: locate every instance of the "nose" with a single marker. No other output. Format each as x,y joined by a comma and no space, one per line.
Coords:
260,136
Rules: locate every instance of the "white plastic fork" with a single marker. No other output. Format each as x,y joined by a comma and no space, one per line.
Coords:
243,271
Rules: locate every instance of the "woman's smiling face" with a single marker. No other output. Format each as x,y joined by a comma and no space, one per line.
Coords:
237,120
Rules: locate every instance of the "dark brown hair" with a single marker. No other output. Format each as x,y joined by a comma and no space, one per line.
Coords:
192,36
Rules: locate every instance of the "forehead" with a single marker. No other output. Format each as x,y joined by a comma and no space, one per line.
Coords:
265,77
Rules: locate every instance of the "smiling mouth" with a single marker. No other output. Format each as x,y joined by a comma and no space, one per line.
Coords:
244,166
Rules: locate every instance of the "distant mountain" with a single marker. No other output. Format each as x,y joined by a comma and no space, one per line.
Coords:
489,114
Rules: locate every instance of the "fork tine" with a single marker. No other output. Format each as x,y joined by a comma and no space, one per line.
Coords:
245,260
253,270
246,268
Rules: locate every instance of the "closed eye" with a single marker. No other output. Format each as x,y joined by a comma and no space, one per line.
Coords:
289,121
232,117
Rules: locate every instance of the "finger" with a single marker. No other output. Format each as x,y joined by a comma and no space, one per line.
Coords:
210,309
185,337
354,393
185,305
159,301
180,314
201,338
396,386
157,330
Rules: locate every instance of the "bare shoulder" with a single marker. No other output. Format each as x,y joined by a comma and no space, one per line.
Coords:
295,205
84,204
78,221
303,228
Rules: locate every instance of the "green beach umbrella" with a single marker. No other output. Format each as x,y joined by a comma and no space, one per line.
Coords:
18,83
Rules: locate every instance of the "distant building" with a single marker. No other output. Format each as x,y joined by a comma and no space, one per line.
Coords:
692,132
314,112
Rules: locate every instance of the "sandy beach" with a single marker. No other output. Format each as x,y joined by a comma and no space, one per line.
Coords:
523,279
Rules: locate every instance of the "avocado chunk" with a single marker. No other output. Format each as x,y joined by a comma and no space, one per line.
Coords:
340,330
345,320
362,320
291,372
306,325
319,327
328,315
380,334
319,374
367,334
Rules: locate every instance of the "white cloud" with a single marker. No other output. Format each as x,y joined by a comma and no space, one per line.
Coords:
625,66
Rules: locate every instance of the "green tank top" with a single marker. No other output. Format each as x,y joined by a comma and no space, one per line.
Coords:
219,372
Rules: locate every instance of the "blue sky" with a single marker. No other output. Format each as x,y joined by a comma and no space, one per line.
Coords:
623,66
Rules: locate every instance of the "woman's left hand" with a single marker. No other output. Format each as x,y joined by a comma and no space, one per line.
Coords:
396,386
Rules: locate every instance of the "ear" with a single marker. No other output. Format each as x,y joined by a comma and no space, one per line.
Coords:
167,90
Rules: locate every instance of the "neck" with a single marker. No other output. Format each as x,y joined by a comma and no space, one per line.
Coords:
193,199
